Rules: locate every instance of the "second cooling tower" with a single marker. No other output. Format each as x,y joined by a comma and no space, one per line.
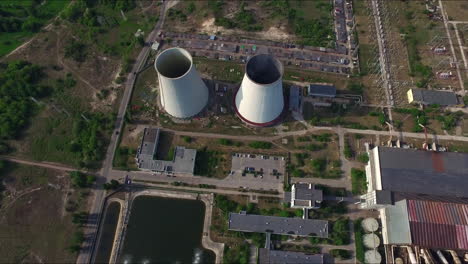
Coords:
183,93
259,100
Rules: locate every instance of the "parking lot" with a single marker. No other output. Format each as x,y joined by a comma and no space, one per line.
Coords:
260,171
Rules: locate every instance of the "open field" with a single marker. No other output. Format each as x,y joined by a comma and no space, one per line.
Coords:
456,10
84,64
35,225
278,20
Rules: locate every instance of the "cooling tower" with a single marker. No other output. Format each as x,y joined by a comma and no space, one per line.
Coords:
183,93
259,100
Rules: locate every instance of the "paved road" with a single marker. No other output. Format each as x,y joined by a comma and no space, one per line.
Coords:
99,193
280,135
228,183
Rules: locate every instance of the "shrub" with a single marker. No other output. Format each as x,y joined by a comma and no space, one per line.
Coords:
364,158
260,145
81,180
340,253
358,181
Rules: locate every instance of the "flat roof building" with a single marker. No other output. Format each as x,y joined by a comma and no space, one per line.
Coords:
321,90
267,256
278,225
294,98
396,172
428,224
428,97
304,195
183,162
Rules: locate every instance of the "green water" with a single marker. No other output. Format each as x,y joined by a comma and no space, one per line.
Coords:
109,226
163,230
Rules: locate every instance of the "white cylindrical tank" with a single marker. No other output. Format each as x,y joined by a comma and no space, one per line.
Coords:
259,100
183,93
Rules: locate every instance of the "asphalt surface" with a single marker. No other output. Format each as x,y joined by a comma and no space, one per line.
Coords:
99,193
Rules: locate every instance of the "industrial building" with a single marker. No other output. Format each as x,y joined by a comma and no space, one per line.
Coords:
278,225
259,100
183,162
422,200
295,98
428,224
321,90
305,196
428,97
183,94
268,256
395,173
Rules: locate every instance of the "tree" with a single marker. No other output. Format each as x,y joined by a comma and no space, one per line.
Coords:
76,50
260,145
298,173
318,165
191,7
112,185
78,179
358,181
364,158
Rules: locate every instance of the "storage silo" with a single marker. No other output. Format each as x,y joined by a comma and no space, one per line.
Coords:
183,93
259,100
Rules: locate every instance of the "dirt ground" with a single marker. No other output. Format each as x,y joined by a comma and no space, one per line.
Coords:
456,10
34,224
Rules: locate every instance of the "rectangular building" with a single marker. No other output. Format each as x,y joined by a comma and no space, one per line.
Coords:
278,225
396,172
428,97
428,224
183,162
322,90
304,195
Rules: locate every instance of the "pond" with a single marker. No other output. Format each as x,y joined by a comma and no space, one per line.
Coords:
109,226
165,230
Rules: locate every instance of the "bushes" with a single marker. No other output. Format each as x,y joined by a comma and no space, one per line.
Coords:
76,50
300,158
112,185
81,180
364,158
358,240
237,254
225,142
77,239
18,81
340,253
206,162
260,145
358,181
318,165
356,87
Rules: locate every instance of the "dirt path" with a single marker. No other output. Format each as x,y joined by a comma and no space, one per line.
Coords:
65,66
43,164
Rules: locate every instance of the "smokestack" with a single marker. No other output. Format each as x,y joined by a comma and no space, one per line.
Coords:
259,100
183,93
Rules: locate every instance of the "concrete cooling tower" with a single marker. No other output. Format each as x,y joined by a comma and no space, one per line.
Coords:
183,93
259,100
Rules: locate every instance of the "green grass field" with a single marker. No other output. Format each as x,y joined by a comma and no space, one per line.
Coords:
46,11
